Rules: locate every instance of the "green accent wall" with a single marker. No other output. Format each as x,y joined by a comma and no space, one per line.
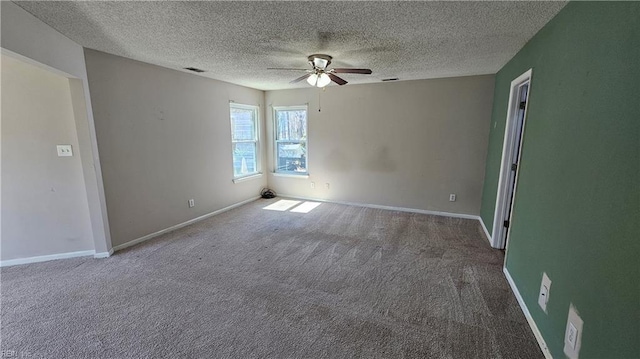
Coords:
577,209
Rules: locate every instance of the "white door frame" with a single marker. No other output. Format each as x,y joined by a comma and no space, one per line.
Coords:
498,239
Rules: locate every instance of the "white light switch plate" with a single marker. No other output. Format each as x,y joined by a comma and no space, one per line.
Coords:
64,150
545,289
573,334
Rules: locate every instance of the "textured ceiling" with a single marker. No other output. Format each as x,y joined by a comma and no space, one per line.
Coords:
237,41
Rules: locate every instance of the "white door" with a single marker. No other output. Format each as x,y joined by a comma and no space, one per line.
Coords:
507,182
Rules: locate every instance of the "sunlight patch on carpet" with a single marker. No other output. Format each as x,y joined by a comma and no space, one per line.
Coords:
282,205
306,207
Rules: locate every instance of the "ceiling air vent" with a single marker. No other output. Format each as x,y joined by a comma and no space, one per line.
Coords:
194,69
390,79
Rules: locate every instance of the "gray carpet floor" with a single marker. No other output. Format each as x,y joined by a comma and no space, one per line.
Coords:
337,282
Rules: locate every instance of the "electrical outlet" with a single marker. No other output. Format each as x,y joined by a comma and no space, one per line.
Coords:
452,197
192,203
64,150
573,334
545,288
313,185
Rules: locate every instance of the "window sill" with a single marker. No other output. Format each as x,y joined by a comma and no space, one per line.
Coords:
290,175
247,178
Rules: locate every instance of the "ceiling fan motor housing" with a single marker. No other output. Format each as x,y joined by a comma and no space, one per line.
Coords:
319,61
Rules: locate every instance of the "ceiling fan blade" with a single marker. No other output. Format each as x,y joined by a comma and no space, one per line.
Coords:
337,79
286,69
303,77
353,71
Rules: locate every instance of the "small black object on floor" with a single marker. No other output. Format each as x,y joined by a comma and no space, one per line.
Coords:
267,193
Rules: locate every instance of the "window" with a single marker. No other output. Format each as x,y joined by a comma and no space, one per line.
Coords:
244,139
291,140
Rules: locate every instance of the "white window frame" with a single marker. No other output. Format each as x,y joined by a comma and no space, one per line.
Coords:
275,142
256,110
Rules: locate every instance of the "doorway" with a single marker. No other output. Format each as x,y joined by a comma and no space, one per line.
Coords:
510,165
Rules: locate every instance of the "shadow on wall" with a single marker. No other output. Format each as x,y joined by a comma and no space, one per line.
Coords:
338,161
381,161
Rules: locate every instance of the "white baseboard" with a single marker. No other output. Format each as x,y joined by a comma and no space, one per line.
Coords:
400,209
525,310
180,225
486,231
104,254
390,208
49,257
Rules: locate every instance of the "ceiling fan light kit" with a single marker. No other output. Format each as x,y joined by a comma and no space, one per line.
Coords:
321,80
319,75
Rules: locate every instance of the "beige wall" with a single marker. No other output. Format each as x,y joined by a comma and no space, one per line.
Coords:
44,202
27,38
164,137
406,144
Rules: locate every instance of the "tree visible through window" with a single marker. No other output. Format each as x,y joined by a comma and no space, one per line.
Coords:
291,139
244,138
